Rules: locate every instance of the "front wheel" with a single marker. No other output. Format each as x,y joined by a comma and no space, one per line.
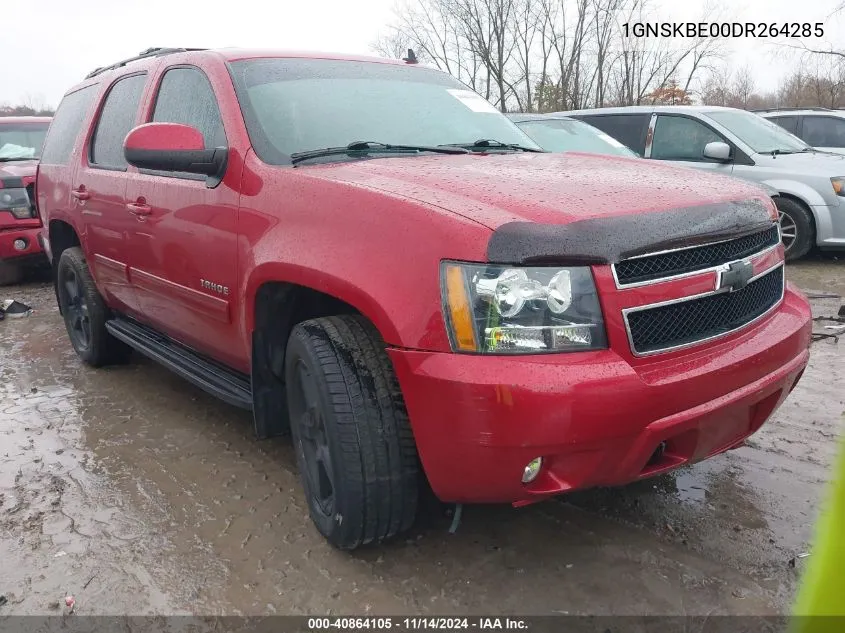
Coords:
355,450
796,228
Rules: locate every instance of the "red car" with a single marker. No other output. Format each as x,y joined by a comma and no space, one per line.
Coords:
20,145
368,255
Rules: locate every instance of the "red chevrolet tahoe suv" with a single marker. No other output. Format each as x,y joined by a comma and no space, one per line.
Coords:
20,145
367,254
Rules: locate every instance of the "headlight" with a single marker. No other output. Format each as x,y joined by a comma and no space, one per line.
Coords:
16,201
494,309
838,185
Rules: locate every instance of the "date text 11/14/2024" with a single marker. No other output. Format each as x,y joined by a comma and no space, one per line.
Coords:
418,623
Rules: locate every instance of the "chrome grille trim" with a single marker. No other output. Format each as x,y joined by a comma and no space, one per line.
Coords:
663,350
650,282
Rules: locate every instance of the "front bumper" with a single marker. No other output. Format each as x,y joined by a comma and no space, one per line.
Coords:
33,249
596,418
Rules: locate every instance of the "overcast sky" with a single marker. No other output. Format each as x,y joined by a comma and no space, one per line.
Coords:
62,41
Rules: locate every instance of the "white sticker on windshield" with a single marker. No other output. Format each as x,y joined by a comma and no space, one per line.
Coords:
611,140
473,101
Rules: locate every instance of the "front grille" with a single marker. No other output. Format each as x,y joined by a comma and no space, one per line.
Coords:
653,267
686,322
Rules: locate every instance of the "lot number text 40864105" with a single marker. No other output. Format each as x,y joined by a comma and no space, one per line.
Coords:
418,623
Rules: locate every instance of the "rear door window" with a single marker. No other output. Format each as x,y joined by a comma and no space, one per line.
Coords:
66,124
628,129
117,118
681,138
788,123
824,131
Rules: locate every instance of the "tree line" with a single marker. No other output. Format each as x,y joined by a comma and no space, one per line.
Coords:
552,55
7,110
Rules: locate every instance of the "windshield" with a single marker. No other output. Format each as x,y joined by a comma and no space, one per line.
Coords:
758,133
293,105
20,141
561,135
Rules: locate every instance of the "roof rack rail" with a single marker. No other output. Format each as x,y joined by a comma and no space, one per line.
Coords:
814,108
150,52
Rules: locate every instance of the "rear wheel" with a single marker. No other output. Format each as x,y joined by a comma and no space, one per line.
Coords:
796,227
10,273
85,312
355,450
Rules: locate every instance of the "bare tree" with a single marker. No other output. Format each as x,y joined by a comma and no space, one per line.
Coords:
486,25
742,87
395,44
547,54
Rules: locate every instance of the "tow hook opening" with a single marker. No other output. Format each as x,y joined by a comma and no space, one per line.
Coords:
657,455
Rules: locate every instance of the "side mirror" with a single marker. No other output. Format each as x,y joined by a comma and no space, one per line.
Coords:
717,150
174,147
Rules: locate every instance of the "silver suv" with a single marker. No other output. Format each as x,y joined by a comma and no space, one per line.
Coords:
820,127
810,183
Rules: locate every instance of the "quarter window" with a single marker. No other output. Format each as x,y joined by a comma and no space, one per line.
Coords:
117,118
628,129
64,129
788,123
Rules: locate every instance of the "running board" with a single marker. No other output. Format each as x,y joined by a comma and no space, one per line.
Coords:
228,385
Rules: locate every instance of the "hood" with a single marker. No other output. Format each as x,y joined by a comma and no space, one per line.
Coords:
18,169
818,163
546,188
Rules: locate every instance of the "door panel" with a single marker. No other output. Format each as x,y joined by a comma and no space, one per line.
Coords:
184,265
99,189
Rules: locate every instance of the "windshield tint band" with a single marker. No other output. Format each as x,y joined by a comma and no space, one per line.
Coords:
611,239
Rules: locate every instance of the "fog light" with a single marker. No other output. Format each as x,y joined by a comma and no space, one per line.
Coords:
532,470
19,245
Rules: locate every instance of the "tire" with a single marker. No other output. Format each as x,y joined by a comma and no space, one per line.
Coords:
355,450
796,223
85,313
10,274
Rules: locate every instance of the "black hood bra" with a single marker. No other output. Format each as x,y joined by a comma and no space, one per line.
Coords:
612,239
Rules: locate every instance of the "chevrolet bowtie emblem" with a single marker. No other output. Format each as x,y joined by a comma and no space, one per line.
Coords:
734,276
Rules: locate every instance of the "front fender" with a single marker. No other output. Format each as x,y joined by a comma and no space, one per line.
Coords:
376,251
324,282
808,195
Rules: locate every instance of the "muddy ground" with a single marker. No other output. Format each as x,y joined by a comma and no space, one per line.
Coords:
137,493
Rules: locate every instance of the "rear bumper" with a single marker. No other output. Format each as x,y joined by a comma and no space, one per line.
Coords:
32,250
595,418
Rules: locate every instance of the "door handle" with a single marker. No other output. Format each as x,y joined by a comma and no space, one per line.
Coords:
139,208
80,194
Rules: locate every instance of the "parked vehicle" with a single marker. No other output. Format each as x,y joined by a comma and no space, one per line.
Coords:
558,133
811,184
20,145
822,128
370,256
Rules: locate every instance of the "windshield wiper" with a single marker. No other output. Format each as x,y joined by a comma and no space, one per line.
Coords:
9,159
372,146
778,152
484,143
